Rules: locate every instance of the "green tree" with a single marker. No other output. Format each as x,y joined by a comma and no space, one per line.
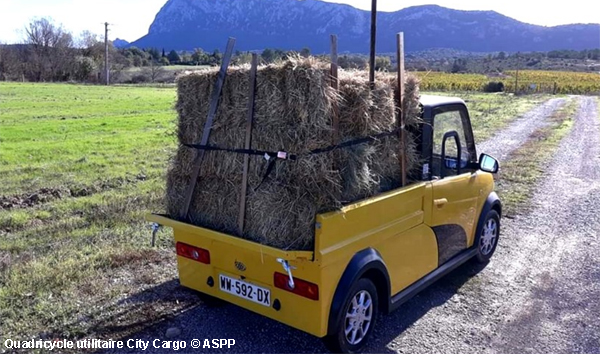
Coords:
268,55
242,58
173,57
383,63
199,57
352,62
137,61
154,53
305,52
459,66
186,58
217,56
85,66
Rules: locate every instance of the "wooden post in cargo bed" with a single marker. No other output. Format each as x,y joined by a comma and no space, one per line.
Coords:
335,86
373,44
212,112
248,143
401,122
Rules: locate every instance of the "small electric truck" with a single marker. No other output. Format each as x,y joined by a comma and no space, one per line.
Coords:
370,256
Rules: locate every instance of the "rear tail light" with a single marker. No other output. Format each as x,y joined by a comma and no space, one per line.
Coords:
301,287
194,253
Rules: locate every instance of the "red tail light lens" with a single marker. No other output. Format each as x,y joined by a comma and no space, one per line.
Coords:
194,253
301,287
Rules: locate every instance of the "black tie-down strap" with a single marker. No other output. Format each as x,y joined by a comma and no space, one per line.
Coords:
273,156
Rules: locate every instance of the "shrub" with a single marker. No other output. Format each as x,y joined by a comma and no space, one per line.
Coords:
494,87
139,79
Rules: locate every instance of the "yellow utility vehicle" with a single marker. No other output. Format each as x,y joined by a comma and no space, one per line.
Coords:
370,256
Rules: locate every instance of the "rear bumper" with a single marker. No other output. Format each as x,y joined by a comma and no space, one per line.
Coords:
228,254
294,311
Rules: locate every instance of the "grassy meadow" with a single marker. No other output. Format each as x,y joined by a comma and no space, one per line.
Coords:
79,167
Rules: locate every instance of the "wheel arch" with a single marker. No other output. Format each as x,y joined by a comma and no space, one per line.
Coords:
369,264
491,203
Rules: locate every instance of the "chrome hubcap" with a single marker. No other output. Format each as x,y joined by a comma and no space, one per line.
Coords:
489,235
358,317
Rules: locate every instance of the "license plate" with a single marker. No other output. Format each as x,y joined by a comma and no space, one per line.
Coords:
245,290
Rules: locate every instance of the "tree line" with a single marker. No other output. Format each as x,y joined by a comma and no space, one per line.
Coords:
48,52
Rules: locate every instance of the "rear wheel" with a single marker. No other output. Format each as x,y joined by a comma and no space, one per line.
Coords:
487,238
357,321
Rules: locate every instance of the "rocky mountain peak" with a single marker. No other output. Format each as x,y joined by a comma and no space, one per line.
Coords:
294,24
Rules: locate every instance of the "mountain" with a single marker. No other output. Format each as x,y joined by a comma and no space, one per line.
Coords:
120,43
294,24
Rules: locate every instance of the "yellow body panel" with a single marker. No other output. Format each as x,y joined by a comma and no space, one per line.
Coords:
465,195
396,224
459,202
392,224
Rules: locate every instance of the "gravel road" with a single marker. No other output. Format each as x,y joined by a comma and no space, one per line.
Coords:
540,293
509,139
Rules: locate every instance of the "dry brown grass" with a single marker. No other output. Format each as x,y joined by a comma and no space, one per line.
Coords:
294,112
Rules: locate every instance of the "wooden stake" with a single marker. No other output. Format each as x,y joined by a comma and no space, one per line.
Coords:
212,112
248,143
373,43
401,123
335,85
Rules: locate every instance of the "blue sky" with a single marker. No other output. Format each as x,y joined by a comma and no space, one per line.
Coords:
131,18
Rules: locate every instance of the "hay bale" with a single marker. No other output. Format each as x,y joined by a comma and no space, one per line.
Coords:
293,112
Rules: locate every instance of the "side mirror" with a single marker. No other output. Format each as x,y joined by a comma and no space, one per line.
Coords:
488,164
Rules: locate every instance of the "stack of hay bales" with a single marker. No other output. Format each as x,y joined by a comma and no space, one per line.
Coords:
294,110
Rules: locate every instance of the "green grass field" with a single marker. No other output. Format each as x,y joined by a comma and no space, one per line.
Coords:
93,158
79,167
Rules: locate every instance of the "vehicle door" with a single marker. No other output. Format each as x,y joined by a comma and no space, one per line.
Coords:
454,176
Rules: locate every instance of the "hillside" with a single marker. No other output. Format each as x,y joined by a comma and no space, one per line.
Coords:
292,24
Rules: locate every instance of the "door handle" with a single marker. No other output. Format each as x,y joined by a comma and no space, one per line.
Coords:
440,202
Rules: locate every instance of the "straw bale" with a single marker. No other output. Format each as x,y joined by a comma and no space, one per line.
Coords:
293,112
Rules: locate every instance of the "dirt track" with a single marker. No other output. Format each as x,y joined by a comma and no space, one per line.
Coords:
540,293
509,139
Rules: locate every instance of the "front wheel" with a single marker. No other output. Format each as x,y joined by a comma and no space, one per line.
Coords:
487,238
358,319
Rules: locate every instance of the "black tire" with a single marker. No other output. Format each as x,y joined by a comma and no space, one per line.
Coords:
487,237
339,342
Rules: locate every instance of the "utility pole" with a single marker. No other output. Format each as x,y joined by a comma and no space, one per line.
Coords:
106,68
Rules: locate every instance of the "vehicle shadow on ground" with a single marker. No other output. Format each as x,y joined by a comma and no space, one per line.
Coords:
254,333
393,325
